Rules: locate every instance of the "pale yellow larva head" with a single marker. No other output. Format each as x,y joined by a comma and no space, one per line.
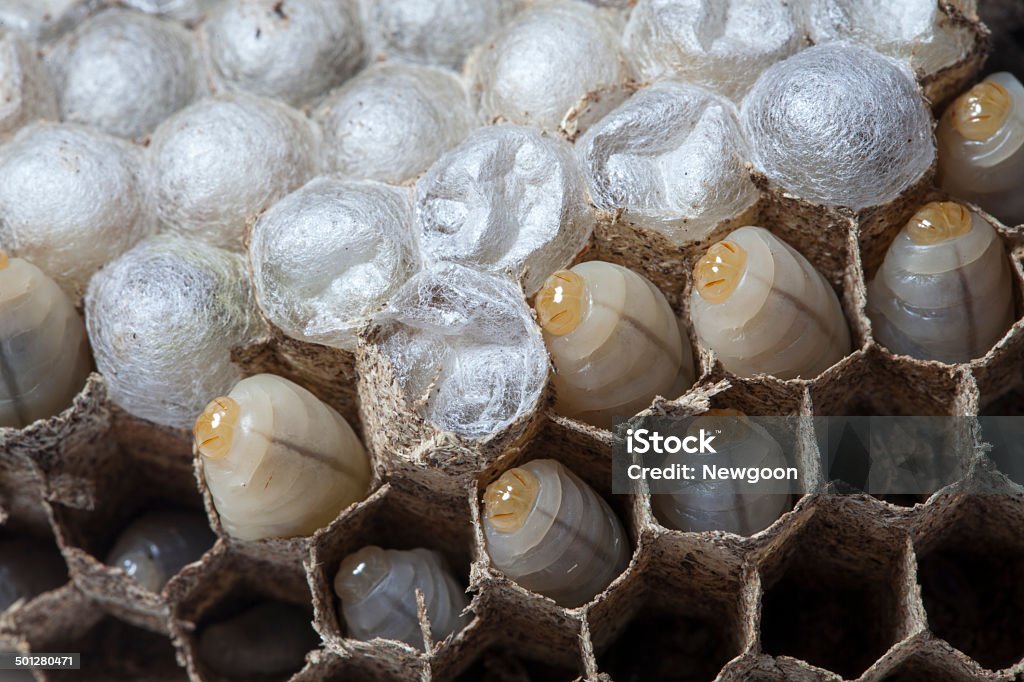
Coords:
509,500
561,302
717,274
4,260
979,113
360,572
939,221
214,430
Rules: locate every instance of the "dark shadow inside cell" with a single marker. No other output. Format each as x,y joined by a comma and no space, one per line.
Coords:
973,597
1004,431
501,665
920,668
30,561
115,650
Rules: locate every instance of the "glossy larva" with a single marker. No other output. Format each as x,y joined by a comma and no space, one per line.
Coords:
290,50
614,341
44,355
551,533
728,505
944,290
123,72
26,91
278,461
764,309
269,639
981,147
378,587
28,567
155,546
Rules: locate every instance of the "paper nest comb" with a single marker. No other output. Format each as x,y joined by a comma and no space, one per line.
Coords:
835,589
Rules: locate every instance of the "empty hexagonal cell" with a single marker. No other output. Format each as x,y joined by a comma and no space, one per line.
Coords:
971,571
835,586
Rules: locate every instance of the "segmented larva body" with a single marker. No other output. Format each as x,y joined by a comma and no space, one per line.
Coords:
154,547
614,341
44,356
551,533
729,505
764,309
944,290
271,638
981,147
278,461
378,594
28,567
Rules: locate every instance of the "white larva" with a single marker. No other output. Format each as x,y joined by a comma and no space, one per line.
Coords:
981,147
28,567
944,290
727,505
44,355
155,546
392,121
551,533
326,257
124,72
378,587
26,91
764,309
292,50
614,341
164,354
215,165
278,461
269,639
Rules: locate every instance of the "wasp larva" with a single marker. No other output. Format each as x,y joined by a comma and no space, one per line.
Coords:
270,638
28,567
764,309
551,533
596,315
278,461
944,290
981,147
734,506
44,357
378,594
154,547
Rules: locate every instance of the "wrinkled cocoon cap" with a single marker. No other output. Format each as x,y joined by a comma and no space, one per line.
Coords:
124,73
672,156
327,256
507,199
439,32
70,199
548,62
26,92
720,44
290,50
393,120
465,349
162,319
840,125
218,163
917,30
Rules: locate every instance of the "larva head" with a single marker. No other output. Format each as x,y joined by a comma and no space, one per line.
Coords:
360,572
716,274
509,500
214,430
979,113
939,221
561,302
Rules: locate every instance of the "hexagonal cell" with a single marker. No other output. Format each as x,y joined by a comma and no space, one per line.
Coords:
834,585
31,565
971,572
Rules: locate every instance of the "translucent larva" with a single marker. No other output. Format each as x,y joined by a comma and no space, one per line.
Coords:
614,341
44,355
764,309
28,567
270,638
729,505
154,547
551,533
944,290
278,461
981,147
378,594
